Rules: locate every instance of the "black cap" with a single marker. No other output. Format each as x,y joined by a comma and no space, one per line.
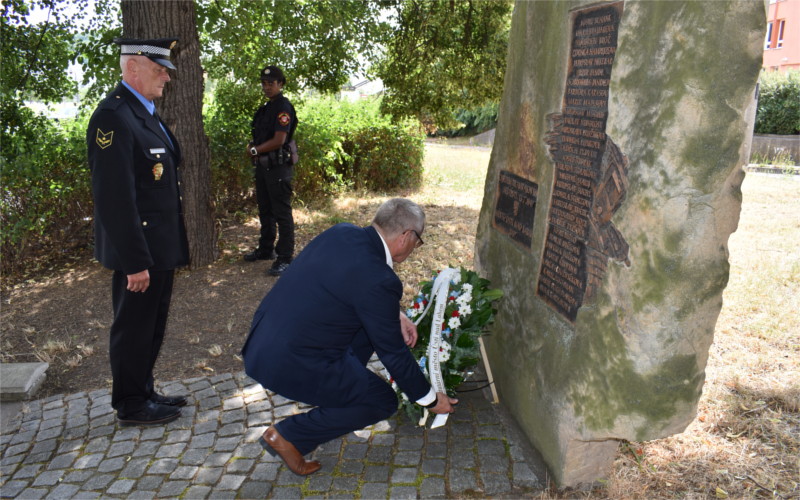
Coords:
156,49
273,73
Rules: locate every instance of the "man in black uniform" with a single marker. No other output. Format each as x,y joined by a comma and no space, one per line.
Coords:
273,128
139,227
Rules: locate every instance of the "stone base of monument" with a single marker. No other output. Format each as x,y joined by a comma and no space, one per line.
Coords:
20,381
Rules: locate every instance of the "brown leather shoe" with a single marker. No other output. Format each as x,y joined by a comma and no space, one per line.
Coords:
274,443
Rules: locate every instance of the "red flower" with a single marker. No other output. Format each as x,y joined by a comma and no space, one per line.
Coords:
416,305
455,313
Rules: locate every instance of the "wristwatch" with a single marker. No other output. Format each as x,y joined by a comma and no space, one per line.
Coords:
253,151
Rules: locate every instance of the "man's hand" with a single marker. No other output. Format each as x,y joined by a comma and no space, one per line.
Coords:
444,404
139,282
409,330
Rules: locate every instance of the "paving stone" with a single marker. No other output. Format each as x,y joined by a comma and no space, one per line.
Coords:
494,484
233,403
203,441
230,481
407,458
461,480
121,448
253,489
287,493
265,472
173,489
12,488
402,492
208,475
462,460
349,484
218,494
218,459
242,465
432,487
184,472
111,464
263,418
227,444
433,466
63,461
63,491
356,451
163,466
89,461
97,445
150,482
98,482
320,482
197,491
121,487
404,475
146,449
35,458
248,450
135,468
491,447
383,439
495,464
374,490
257,407
17,449
170,450
410,443
524,476
436,450
48,478
47,445
33,493
141,495
331,447
23,438
350,467
179,436
78,476
105,430
236,415
28,471
234,429
152,433
195,456
71,445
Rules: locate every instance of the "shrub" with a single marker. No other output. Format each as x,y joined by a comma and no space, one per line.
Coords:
46,198
778,103
388,157
329,139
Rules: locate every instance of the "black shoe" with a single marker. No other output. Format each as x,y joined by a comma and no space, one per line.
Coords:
168,400
150,414
257,254
278,268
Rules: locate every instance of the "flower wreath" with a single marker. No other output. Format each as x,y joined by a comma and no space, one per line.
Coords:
468,309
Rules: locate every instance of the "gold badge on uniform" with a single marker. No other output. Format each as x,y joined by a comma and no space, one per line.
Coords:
284,119
104,139
158,170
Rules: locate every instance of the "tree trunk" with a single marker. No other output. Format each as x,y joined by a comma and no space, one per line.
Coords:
181,108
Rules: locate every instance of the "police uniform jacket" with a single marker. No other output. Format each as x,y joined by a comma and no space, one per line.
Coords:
338,287
277,115
135,184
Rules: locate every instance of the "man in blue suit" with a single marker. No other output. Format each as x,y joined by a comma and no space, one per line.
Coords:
314,333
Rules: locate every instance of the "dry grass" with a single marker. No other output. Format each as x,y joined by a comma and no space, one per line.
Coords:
745,441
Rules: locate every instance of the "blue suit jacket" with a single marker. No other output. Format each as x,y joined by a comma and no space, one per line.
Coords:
339,285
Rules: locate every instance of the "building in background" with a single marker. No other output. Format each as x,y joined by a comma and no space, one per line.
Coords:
782,43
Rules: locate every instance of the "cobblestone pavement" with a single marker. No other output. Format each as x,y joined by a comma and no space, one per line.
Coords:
70,446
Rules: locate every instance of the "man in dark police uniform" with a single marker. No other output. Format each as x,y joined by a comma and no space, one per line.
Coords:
315,331
139,227
273,129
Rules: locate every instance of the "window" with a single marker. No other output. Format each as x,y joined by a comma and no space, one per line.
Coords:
768,40
781,25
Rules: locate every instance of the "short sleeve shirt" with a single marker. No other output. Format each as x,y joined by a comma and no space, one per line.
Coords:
277,115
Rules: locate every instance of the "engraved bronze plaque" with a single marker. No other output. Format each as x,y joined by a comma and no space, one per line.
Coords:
590,178
515,208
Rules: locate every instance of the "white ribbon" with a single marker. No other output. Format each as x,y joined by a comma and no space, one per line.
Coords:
439,293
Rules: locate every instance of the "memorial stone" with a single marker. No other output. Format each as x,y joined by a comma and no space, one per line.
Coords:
613,186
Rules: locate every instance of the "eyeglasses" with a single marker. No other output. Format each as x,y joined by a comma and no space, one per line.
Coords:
420,242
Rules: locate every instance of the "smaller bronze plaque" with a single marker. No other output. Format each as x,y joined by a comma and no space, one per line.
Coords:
516,205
